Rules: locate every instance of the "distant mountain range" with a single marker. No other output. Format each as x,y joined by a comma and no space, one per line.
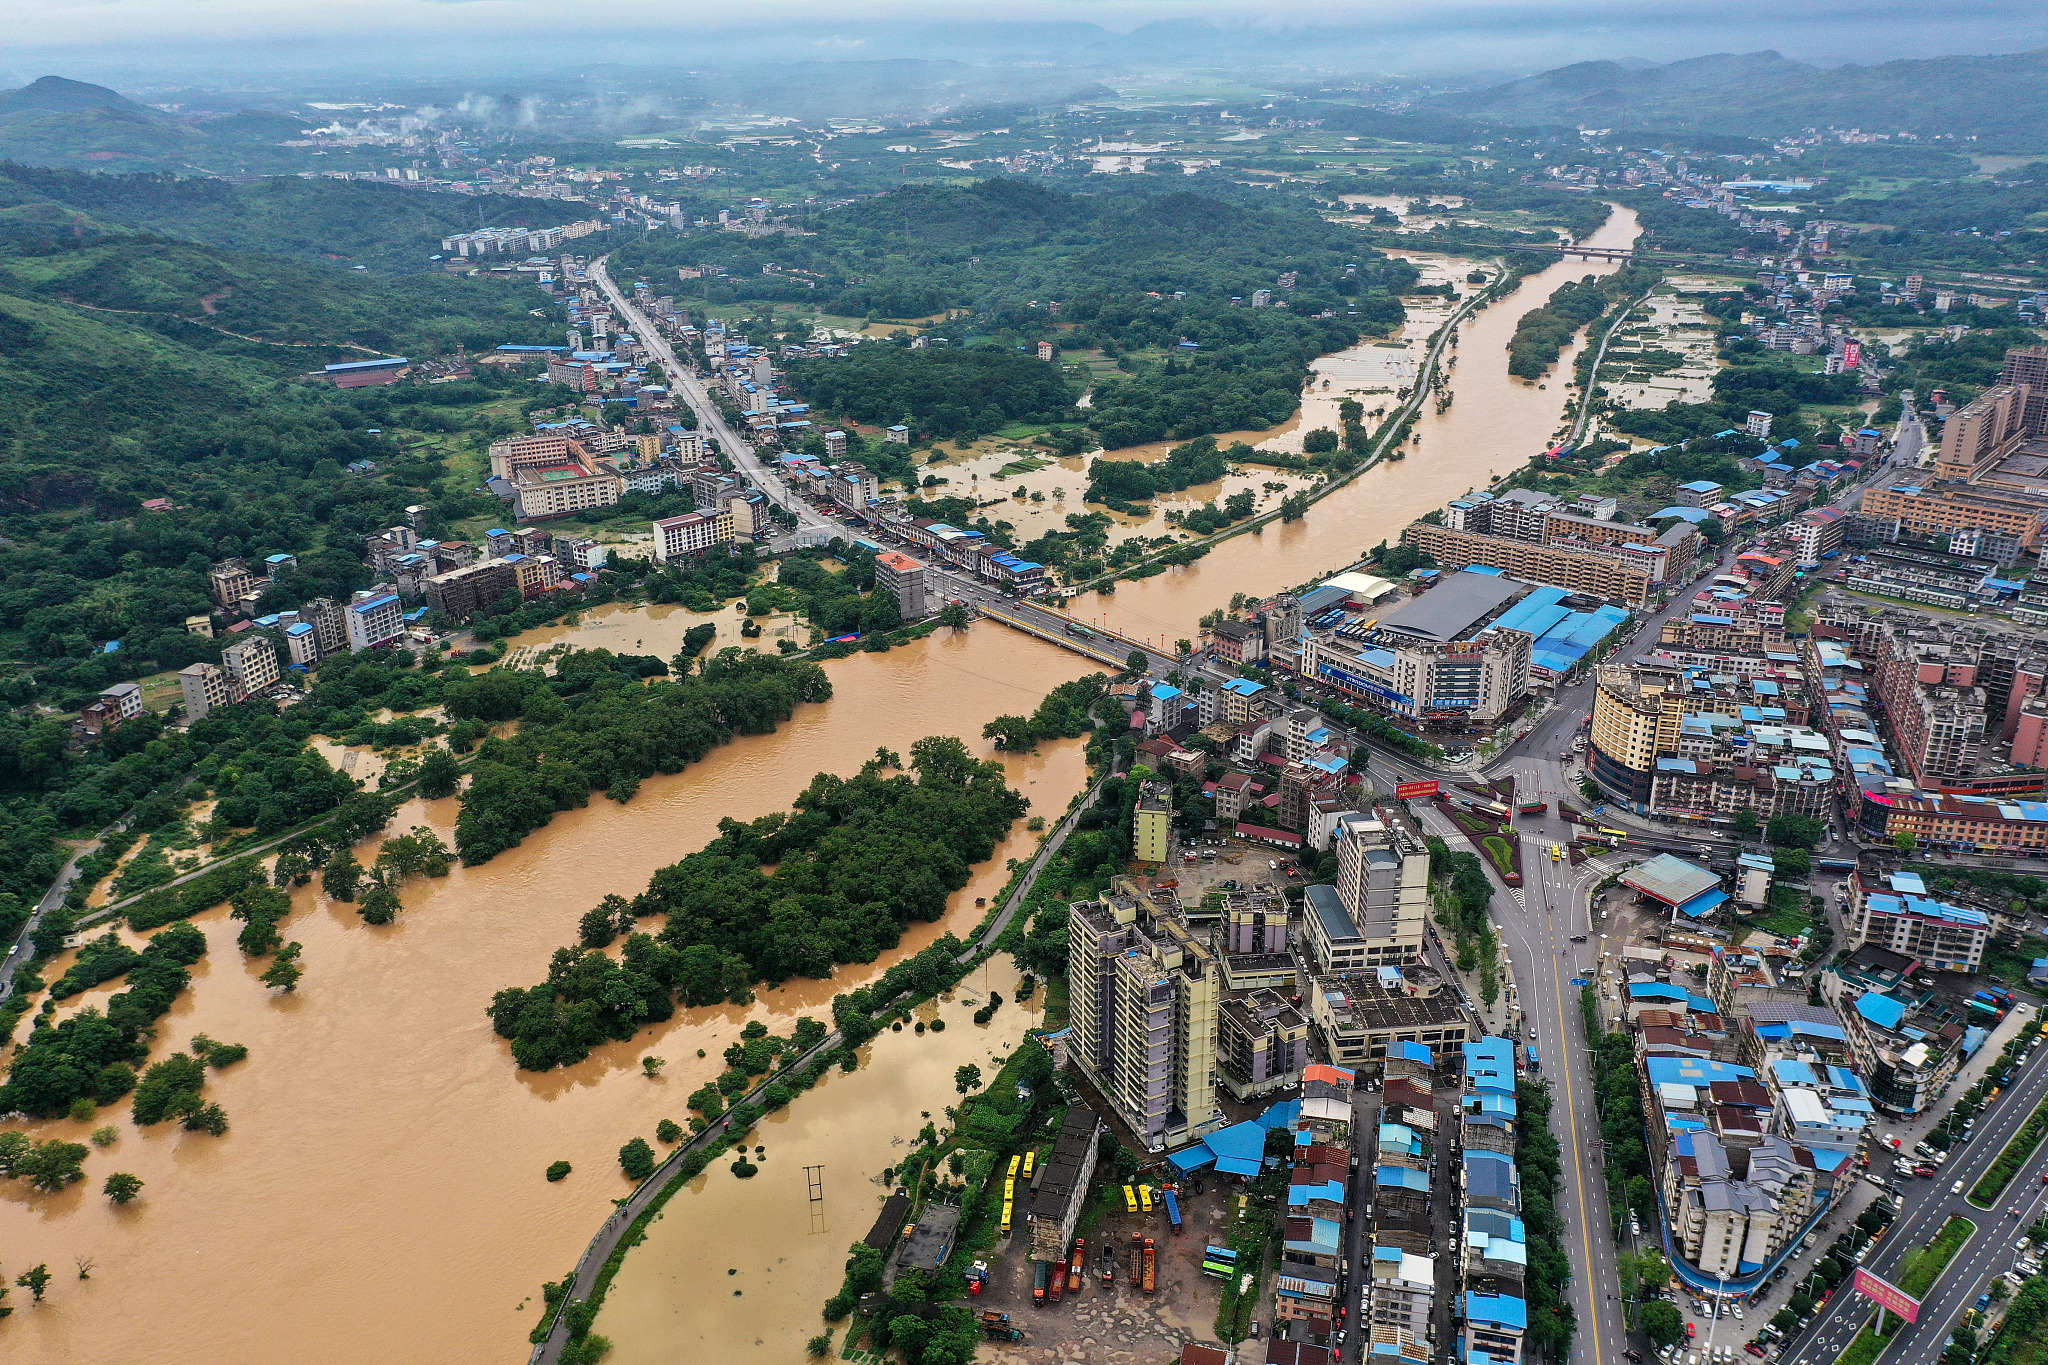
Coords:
1764,94
59,122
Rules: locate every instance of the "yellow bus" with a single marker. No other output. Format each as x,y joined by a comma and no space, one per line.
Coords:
1008,1207
1145,1198
1015,1162
1030,1159
1614,833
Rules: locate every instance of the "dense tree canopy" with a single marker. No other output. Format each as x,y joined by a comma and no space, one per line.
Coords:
853,863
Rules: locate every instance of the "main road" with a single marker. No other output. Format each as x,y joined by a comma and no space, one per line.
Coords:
1926,1206
709,419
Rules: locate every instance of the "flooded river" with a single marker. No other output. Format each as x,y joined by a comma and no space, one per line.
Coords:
1494,424
379,1196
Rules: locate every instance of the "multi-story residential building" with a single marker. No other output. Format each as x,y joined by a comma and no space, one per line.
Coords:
1816,534
204,687
689,534
251,666
907,580
1735,1197
330,627
1495,1325
1261,1044
461,593
1964,824
1359,1018
1628,573
1403,1292
373,619
1894,910
1143,1012
1932,703
1383,890
854,486
232,582
1152,823
1905,1039
1942,509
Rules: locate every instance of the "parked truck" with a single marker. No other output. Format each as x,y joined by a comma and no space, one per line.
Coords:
1076,1264
1057,1282
1137,1261
1173,1211
1151,1266
995,1333
1038,1272
1531,807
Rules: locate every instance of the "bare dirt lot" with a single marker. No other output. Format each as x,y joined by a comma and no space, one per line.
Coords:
1114,1324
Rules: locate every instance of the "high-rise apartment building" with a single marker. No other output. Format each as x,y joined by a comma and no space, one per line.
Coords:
1143,1007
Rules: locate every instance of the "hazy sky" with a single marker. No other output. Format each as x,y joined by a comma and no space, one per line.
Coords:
67,35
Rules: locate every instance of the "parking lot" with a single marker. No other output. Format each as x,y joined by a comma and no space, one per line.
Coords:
1250,866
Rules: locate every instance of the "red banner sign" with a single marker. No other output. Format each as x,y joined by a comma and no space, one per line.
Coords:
1887,1295
1408,791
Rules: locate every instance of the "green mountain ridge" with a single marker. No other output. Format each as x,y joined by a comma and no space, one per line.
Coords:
59,122
1768,94
347,220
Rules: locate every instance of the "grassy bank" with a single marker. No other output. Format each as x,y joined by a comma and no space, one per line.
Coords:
1993,1182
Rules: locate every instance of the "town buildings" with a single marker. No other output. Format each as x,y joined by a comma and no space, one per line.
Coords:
1444,656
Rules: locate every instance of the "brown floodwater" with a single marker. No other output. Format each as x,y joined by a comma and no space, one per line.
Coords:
379,1194
1493,426
673,1300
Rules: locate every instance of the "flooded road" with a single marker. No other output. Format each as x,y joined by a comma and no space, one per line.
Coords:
379,1194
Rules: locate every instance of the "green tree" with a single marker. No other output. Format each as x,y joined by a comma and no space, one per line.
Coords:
121,1187
1011,733
342,876
636,1159
1662,1323
35,1281
439,774
954,616
285,971
1794,831
557,1171
1906,841
967,1078
668,1132
1138,664
1746,823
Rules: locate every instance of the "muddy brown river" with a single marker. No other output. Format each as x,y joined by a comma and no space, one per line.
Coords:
379,1196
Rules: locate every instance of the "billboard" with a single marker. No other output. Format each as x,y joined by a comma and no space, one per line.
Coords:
1887,1295
1408,791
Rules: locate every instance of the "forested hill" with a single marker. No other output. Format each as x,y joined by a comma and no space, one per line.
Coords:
191,290
1766,94
923,249
351,221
